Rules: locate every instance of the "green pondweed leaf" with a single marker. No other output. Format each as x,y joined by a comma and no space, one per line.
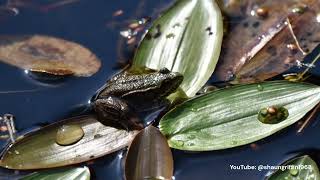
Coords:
187,39
298,168
229,117
80,173
67,142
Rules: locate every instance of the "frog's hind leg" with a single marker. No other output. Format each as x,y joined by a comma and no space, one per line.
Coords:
112,109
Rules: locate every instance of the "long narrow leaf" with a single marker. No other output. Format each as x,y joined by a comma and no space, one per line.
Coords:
40,149
187,39
229,117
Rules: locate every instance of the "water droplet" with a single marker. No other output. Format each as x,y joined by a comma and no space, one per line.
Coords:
272,114
69,134
318,17
294,172
192,136
194,109
262,12
293,48
299,9
179,143
260,87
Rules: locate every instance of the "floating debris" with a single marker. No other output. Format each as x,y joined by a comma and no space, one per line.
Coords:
8,126
69,134
48,55
117,13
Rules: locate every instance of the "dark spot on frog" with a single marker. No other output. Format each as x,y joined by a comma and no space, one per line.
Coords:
272,50
91,157
256,24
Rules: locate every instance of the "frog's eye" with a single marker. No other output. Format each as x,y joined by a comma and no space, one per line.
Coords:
164,71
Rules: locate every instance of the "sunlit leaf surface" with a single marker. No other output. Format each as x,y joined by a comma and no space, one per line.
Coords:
229,117
40,149
48,54
187,39
82,173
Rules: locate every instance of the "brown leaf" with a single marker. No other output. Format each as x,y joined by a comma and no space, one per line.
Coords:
48,54
260,45
149,156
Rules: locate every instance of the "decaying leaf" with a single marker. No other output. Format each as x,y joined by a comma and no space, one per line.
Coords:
46,148
48,54
237,115
149,156
266,38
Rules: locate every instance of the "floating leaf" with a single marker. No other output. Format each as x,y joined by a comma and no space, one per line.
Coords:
82,173
39,149
187,39
48,54
300,168
149,156
229,117
260,44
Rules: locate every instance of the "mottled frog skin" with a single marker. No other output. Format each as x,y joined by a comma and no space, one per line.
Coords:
126,93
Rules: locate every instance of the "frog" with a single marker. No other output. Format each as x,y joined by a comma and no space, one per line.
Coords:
127,93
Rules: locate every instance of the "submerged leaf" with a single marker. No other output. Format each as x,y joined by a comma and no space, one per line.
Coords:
260,43
82,173
149,156
48,54
39,149
300,168
229,117
187,39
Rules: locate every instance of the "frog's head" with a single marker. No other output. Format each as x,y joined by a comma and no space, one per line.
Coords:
170,81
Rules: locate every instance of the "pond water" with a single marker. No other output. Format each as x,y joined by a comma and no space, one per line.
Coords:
91,24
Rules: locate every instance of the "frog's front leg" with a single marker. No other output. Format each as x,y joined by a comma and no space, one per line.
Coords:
113,109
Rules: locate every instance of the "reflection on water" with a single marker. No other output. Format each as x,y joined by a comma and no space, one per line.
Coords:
95,25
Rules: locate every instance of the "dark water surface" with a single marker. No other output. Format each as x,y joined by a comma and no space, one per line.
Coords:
85,22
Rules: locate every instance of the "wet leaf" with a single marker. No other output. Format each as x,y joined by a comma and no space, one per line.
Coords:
149,156
301,168
186,39
229,117
48,54
82,173
259,43
39,149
